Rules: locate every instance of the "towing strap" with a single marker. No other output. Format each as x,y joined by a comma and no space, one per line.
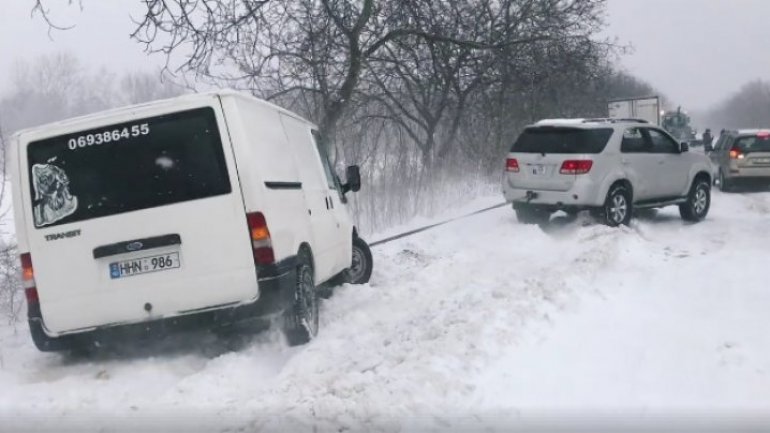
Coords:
422,229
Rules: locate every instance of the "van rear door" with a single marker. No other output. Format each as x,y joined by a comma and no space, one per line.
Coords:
136,219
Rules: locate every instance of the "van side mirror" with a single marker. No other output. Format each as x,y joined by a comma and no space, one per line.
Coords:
684,147
353,177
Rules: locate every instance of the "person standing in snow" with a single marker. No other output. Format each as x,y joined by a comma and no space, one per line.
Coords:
707,140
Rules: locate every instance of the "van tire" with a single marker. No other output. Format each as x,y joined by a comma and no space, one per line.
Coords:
359,272
300,322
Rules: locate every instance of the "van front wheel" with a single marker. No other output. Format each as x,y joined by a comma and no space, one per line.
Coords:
361,266
301,320
359,272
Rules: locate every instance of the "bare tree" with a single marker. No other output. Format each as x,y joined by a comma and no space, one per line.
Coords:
10,272
318,48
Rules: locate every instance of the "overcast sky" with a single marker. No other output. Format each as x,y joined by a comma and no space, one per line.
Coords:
695,51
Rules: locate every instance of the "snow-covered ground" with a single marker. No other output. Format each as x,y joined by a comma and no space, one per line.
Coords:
479,324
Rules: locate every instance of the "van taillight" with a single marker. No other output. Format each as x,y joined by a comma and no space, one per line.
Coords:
578,166
735,153
261,244
28,279
512,165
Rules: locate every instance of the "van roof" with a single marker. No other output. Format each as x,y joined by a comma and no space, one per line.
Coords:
73,122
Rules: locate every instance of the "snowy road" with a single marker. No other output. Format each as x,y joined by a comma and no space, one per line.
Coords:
477,324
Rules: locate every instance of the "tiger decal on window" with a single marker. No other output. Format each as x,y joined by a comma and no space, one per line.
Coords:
53,200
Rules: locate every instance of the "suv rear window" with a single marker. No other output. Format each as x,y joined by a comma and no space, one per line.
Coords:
126,167
753,143
562,140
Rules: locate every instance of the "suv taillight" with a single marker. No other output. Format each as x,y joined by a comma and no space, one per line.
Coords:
261,244
512,165
736,153
576,166
28,279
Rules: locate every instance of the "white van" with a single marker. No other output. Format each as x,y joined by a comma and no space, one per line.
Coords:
203,210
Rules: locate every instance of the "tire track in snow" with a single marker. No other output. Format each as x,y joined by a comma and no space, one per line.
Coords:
434,318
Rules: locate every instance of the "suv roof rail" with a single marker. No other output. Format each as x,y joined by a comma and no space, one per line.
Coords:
614,120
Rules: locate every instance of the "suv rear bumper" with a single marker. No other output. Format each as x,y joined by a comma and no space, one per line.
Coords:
584,194
276,285
758,173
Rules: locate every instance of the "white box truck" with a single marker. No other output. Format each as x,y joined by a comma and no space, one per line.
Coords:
647,108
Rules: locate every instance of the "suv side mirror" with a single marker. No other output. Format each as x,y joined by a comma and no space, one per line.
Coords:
353,175
684,147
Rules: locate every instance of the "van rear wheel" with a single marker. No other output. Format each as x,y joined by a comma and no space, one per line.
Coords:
301,320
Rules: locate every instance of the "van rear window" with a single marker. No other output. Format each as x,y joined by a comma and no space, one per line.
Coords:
126,167
549,139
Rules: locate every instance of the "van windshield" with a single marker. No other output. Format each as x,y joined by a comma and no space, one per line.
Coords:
562,140
126,167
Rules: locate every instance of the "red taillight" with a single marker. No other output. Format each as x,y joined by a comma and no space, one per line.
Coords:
31,294
261,244
736,153
512,165
763,134
28,279
578,166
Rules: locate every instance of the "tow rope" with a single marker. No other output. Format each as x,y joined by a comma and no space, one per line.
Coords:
422,229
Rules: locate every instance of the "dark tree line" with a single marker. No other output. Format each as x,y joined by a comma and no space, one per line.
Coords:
749,107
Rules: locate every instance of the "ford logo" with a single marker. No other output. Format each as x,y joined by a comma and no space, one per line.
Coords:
134,246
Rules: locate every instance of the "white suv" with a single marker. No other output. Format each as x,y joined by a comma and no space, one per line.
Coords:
607,166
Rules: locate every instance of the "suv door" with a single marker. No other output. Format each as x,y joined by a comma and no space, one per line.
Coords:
673,166
638,162
714,154
723,157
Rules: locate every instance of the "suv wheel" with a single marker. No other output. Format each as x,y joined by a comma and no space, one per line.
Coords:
698,202
724,184
301,320
528,214
617,207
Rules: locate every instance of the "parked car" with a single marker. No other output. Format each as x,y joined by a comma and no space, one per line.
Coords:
205,210
607,166
742,157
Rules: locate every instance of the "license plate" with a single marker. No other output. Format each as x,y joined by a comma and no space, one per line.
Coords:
537,169
144,265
